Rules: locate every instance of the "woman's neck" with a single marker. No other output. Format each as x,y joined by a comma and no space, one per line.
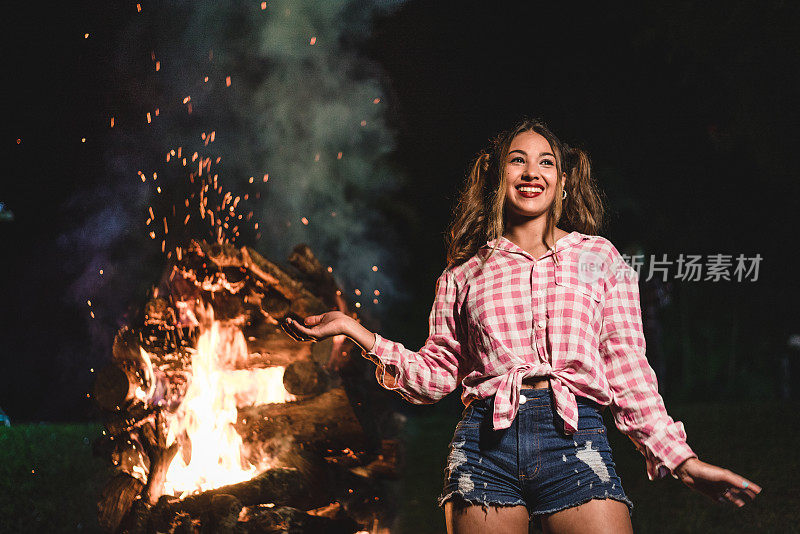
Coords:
530,236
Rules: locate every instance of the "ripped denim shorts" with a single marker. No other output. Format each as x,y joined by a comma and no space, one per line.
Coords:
532,463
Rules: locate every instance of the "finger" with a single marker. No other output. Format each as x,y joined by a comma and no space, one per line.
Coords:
309,334
291,327
741,499
301,329
737,493
751,493
728,496
751,488
739,482
313,320
286,327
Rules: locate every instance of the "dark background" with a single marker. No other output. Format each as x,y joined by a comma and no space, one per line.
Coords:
688,111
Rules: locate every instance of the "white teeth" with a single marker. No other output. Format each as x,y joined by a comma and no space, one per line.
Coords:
531,189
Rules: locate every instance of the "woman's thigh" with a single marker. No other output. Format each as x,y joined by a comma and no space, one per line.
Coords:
462,518
598,516
572,473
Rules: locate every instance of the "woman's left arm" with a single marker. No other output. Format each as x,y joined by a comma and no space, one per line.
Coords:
637,406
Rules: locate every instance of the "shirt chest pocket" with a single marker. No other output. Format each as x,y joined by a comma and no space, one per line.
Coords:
577,298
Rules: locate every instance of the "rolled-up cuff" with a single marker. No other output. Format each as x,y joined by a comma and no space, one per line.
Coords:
666,450
383,355
657,469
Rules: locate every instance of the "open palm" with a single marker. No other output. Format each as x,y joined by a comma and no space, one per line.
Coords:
318,327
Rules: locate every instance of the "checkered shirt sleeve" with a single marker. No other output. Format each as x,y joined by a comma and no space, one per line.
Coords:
425,376
637,407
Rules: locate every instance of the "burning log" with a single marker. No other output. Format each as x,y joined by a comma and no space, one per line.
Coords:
133,386
244,271
225,510
126,345
325,422
116,499
160,456
319,280
226,514
262,519
280,486
115,386
305,378
269,346
288,491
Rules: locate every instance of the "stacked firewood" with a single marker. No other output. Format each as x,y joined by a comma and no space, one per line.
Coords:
333,448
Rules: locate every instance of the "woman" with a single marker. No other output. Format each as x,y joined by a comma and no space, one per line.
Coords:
542,327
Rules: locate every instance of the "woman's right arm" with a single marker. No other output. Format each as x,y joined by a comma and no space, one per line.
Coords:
421,377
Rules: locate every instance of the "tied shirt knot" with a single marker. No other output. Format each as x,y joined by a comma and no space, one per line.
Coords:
508,396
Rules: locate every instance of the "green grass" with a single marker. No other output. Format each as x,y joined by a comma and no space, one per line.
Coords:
49,480
758,441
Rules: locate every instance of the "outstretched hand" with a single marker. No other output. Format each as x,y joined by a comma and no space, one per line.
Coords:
317,327
717,483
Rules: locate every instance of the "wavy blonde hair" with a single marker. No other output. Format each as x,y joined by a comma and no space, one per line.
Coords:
479,214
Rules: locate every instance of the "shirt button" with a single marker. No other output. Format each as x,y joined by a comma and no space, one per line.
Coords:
540,293
523,399
541,324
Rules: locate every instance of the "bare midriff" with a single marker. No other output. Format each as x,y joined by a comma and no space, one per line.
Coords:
536,382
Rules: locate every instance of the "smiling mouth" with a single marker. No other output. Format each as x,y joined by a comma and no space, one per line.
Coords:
530,191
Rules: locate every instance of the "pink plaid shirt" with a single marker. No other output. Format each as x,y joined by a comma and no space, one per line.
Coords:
572,315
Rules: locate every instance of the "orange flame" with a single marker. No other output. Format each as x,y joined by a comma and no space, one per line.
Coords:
209,410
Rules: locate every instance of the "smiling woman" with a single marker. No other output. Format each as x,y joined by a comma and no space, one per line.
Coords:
541,349
503,184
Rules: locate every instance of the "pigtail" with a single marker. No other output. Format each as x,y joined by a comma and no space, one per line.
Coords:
583,208
469,226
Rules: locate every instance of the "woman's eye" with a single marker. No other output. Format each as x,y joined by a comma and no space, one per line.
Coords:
518,158
548,162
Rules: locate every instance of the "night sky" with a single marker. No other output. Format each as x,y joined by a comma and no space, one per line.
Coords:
688,111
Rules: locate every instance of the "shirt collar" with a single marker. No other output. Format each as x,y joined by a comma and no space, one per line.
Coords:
569,240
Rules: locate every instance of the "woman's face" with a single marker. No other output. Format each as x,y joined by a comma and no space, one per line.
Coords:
530,175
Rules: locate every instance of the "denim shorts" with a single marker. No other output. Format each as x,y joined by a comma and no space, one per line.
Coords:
532,463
